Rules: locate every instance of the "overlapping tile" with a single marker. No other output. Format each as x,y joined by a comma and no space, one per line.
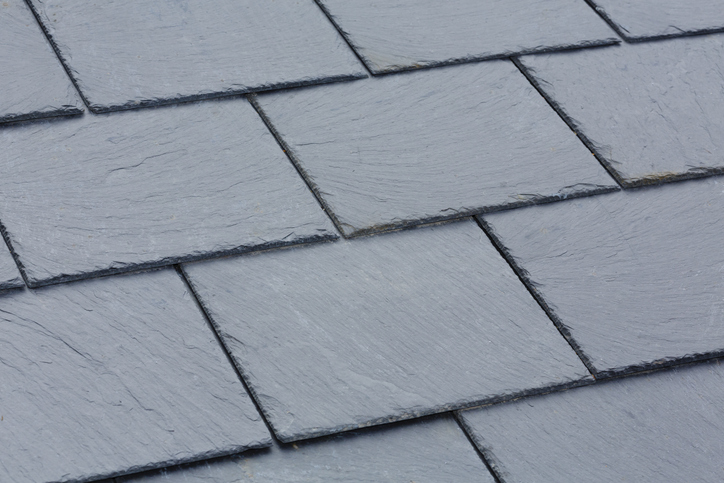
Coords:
32,79
115,192
426,451
113,375
410,34
126,54
637,20
349,334
9,274
650,111
399,150
665,426
637,277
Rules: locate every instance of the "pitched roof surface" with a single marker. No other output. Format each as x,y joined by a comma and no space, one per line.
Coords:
407,241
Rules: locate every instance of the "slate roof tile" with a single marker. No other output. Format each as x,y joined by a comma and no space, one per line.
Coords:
334,337
32,79
399,150
634,276
108,193
409,34
9,274
126,54
650,111
114,375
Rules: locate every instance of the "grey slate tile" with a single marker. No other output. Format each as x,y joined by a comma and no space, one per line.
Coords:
399,150
426,451
114,375
409,34
32,80
132,53
637,20
665,426
650,111
350,334
9,274
116,192
635,276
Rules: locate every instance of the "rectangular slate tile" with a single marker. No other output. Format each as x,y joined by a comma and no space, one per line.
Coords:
116,192
132,53
665,426
635,277
638,20
350,334
32,80
651,112
409,34
9,274
400,150
113,375
426,451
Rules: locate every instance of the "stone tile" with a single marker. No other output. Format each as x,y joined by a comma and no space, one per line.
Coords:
33,81
9,274
116,192
350,334
113,375
132,53
664,426
426,451
651,111
636,277
637,20
409,34
400,150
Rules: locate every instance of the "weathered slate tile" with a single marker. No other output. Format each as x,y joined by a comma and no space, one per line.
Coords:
400,150
116,192
651,112
635,276
424,451
114,375
132,53
345,335
9,274
637,20
32,80
665,426
409,34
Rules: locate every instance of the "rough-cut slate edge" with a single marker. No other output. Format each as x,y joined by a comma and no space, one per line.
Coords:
663,177
292,437
20,281
458,60
31,116
578,190
643,38
98,109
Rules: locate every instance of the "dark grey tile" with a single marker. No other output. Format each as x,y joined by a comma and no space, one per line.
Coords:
664,426
113,375
9,274
32,79
422,146
426,451
409,34
345,335
650,111
127,54
115,192
636,277
637,20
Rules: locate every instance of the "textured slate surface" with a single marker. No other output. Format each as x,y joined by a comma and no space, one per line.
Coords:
426,451
32,80
650,111
408,34
637,20
9,274
107,193
126,54
423,146
635,276
113,375
345,335
664,426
